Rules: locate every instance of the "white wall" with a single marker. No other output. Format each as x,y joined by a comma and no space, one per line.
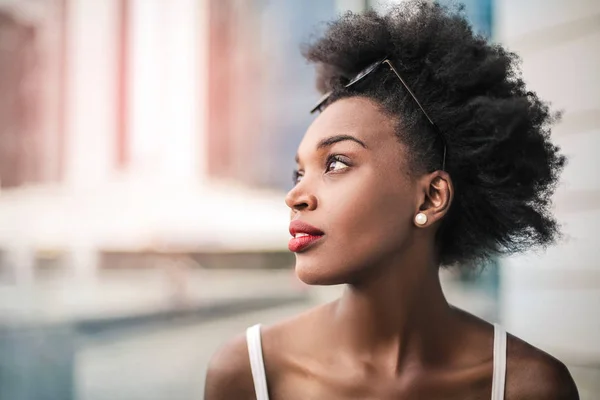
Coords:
553,299
91,91
167,83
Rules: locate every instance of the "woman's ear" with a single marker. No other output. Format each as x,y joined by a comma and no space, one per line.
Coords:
437,194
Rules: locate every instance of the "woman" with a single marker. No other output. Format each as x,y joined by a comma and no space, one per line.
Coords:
429,152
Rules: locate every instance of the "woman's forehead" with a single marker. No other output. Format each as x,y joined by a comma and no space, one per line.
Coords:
355,116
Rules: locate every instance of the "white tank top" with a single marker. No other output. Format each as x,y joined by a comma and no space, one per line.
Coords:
257,363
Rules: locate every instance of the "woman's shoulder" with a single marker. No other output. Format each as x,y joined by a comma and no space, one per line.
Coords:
531,373
229,375
534,374
288,341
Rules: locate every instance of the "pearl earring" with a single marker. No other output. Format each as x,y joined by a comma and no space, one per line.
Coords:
420,219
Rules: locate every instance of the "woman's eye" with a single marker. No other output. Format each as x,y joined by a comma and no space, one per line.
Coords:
297,177
336,165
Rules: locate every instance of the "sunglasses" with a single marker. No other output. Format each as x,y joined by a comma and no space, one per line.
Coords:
363,74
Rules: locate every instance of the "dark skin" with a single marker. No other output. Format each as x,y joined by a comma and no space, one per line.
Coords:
391,335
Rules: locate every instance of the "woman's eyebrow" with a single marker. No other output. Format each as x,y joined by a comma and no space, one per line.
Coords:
338,138
334,139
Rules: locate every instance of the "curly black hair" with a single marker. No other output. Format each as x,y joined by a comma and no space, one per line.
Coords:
499,155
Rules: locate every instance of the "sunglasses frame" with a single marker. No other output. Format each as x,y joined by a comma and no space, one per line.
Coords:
368,70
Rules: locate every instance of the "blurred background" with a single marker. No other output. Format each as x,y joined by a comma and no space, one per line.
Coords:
145,150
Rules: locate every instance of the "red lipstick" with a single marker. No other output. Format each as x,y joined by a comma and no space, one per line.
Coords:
304,236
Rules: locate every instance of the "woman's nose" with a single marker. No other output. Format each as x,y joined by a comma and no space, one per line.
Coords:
298,199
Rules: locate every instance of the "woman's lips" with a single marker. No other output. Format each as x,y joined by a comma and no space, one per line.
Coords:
299,243
304,235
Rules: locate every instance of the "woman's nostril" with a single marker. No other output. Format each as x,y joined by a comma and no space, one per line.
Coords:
301,206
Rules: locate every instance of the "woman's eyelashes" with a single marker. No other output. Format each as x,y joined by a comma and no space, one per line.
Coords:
335,163
297,177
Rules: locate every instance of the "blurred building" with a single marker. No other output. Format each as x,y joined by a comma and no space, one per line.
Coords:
124,126
136,127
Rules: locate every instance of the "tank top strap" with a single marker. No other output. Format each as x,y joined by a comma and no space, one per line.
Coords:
259,377
499,374
257,364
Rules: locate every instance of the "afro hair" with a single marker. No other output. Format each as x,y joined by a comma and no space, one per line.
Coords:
499,155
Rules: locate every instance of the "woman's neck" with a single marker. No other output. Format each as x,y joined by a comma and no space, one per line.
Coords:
398,318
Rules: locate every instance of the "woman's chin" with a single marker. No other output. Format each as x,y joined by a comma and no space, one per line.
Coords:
318,275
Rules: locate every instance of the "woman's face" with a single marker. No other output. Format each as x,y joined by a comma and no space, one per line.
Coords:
354,188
